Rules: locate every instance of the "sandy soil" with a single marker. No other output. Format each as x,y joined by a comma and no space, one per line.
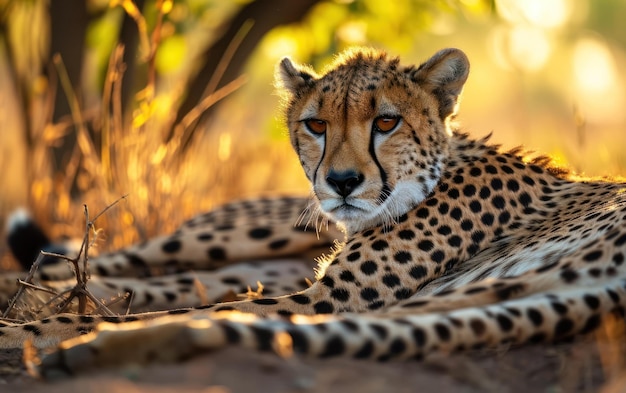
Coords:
573,367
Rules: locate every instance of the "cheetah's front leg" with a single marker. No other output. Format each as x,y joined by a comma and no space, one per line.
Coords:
374,270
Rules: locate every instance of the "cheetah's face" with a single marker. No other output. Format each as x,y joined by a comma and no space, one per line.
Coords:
372,136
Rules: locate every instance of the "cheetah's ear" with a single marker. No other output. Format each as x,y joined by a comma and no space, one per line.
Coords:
293,77
444,75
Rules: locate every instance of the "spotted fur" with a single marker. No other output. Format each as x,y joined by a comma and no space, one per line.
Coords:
450,243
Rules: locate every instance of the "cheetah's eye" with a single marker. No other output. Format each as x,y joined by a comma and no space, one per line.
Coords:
386,123
316,126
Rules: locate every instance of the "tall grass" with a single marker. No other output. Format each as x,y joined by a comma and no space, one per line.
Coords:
168,172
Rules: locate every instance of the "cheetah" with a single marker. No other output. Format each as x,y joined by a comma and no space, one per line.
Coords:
448,243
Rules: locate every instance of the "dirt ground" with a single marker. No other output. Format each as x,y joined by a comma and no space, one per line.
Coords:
582,366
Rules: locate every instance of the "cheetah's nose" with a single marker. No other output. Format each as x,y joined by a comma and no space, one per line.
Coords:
344,182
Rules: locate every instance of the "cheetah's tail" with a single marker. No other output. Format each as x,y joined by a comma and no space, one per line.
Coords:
26,239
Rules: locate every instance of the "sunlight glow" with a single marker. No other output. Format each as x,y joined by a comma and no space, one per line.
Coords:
521,47
353,32
281,45
547,14
224,147
594,68
596,81
525,42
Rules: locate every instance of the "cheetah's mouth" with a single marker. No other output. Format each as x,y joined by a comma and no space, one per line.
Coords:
347,212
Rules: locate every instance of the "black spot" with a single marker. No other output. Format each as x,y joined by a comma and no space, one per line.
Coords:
64,320
507,291
86,319
613,295
512,185
437,256
278,244
32,329
525,199
171,246
329,282
340,294
365,351
475,172
391,280
537,338
347,276
592,256
454,241
300,299
443,332
350,325
496,184
353,256
232,335
299,340
231,281
536,168
264,337
418,272
498,202
563,327
397,346
475,207
178,311
475,290
260,233
591,301
535,316
402,257
456,213
170,296
323,307
380,331
478,236
265,302
469,190
569,275
406,234
368,294
485,192
376,305
204,237
477,326
217,254
403,293
425,245
419,335
422,213
444,230
559,308
504,322
504,217
379,245
467,225
369,268
620,241
591,324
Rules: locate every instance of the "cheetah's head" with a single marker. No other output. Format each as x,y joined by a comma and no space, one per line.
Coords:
371,135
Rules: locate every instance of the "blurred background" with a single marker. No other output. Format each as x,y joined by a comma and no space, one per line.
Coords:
172,102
